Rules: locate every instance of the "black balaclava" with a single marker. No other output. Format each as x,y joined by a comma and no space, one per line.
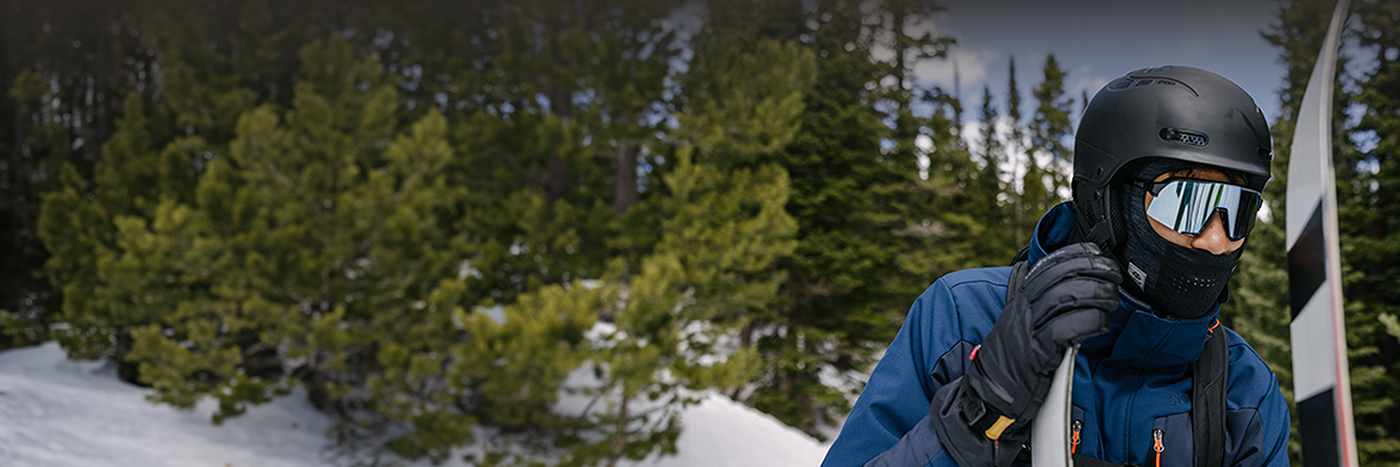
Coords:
1175,280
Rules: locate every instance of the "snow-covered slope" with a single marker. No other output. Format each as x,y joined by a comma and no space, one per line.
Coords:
56,412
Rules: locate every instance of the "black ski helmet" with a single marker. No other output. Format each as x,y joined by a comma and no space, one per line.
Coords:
1166,112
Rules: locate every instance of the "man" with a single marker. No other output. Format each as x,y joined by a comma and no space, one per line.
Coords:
1169,166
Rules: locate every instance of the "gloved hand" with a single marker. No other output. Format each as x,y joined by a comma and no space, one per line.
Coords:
1064,299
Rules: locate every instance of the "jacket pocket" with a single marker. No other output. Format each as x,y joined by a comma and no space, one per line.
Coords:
1171,442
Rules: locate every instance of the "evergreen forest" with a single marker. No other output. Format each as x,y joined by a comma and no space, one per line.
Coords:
438,218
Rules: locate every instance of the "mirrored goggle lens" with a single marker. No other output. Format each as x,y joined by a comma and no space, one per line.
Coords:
1188,205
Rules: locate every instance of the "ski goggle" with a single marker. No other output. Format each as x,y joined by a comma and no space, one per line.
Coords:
1187,206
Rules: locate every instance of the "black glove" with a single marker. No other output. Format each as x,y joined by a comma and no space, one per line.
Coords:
983,417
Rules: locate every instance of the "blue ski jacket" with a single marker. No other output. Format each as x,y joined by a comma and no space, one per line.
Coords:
1130,384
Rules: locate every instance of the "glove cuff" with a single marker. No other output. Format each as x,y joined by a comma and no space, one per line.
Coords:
962,421
982,417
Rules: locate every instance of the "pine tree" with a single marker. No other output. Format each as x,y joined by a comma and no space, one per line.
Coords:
569,115
991,195
63,68
673,302
320,239
724,227
1050,127
133,184
1046,156
155,132
1016,133
934,238
900,19
677,331
843,294
953,237
512,367
1030,196
302,257
993,156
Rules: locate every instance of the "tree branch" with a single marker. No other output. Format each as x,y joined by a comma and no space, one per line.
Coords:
520,169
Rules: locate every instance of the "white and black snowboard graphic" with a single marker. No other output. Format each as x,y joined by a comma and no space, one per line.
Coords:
1321,383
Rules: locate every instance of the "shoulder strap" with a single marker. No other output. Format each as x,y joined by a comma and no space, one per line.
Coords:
1209,380
1022,255
1019,269
1018,276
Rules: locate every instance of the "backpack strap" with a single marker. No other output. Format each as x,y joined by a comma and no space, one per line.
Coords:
1019,269
1209,380
1018,277
1022,255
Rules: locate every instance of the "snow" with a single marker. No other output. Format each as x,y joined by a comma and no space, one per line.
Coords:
719,432
56,413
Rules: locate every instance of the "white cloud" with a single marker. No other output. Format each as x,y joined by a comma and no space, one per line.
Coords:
971,66
1097,40
1083,83
1083,78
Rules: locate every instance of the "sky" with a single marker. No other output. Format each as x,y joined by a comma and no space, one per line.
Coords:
1095,41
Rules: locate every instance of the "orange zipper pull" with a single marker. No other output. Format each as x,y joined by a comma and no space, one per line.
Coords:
1074,436
1157,446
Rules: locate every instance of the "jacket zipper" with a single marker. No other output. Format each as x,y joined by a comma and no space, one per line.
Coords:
1074,436
1157,445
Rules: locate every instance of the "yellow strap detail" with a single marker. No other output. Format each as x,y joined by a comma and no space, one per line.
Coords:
995,431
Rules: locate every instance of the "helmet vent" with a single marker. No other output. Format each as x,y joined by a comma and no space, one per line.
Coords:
1128,82
1187,137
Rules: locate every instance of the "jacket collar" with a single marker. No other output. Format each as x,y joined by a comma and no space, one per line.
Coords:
1137,337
